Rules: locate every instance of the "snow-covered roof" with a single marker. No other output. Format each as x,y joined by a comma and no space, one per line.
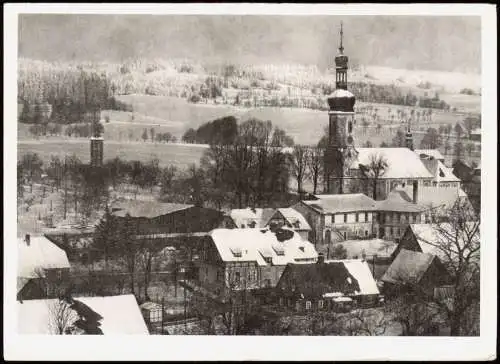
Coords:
147,209
248,217
295,218
435,196
436,154
370,247
360,270
399,200
402,162
341,93
120,315
408,267
242,245
440,239
341,203
440,172
40,254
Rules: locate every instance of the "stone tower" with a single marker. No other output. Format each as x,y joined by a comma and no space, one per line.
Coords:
96,143
340,151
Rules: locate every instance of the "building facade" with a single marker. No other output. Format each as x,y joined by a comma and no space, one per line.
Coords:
250,259
335,218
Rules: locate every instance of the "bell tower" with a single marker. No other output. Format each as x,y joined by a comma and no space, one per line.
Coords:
340,151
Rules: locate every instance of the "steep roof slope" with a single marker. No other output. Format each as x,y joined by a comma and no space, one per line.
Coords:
40,254
408,267
118,315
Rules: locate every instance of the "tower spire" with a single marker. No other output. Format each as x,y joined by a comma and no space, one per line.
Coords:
341,48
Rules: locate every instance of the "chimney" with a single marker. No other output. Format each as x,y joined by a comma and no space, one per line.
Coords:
321,258
415,192
27,239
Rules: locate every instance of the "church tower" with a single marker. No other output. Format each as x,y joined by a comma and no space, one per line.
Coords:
409,136
340,151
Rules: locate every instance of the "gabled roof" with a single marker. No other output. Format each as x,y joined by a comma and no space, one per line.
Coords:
371,247
360,270
424,153
119,315
408,267
256,244
314,280
295,218
399,200
402,162
341,203
39,255
146,209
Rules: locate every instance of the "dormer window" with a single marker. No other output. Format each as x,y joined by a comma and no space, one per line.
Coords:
236,252
279,250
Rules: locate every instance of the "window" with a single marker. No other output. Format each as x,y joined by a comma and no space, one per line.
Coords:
320,304
357,217
308,305
366,216
237,277
345,217
220,275
345,234
366,232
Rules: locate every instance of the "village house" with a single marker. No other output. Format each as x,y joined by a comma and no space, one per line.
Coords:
414,271
376,252
435,239
43,268
157,219
396,212
292,219
326,285
251,217
338,217
111,315
268,217
248,259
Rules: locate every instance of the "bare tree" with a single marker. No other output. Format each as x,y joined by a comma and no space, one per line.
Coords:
362,322
456,242
61,317
414,317
374,170
315,165
299,161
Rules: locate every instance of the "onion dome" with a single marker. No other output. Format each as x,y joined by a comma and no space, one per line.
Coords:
341,100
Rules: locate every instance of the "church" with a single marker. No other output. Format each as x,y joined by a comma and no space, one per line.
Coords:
372,171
